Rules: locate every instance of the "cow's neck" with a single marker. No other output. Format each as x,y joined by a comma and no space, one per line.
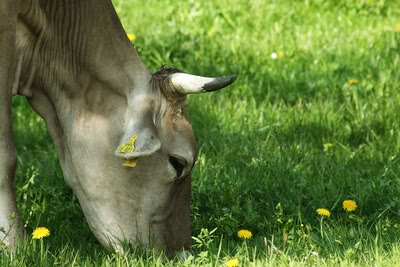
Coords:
77,69
75,48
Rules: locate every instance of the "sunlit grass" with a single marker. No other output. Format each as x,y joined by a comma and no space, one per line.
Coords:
312,120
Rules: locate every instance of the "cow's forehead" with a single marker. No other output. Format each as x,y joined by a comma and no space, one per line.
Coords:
159,82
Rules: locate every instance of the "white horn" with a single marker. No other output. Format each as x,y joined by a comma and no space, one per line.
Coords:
192,84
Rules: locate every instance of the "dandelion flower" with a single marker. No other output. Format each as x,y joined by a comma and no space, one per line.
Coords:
349,205
328,146
274,56
246,234
131,36
324,212
116,251
40,232
352,81
280,53
232,263
397,27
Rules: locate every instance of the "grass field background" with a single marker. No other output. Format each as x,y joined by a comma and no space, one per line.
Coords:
291,135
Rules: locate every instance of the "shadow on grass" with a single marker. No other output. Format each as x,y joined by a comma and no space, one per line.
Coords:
240,180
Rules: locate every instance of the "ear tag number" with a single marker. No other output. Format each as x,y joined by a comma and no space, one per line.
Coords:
129,146
130,162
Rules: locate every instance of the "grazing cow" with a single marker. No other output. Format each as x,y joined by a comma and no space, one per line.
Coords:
122,134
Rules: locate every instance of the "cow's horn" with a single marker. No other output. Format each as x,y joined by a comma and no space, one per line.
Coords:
192,84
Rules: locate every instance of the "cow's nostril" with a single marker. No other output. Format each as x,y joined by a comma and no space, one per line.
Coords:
178,164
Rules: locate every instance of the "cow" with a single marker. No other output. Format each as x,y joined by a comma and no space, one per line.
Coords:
122,133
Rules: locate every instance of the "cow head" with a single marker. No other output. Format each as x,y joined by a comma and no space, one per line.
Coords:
156,154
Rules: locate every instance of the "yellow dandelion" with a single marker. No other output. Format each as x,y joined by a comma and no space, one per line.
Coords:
349,205
232,263
116,251
324,212
131,36
280,53
353,81
245,234
40,232
397,26
328,146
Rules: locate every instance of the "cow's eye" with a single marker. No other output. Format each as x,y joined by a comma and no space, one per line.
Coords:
178,164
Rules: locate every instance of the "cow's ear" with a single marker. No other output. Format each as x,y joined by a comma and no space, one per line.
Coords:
140,138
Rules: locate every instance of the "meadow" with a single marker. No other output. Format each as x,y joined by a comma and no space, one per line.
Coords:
312,120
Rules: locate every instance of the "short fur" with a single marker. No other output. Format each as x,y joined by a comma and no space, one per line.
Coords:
74,63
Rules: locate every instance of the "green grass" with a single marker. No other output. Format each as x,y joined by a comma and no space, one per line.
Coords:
263,161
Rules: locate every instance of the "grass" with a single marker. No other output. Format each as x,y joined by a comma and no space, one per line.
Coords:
264,161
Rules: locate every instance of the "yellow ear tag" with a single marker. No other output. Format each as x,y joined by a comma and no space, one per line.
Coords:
129,146
130,162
